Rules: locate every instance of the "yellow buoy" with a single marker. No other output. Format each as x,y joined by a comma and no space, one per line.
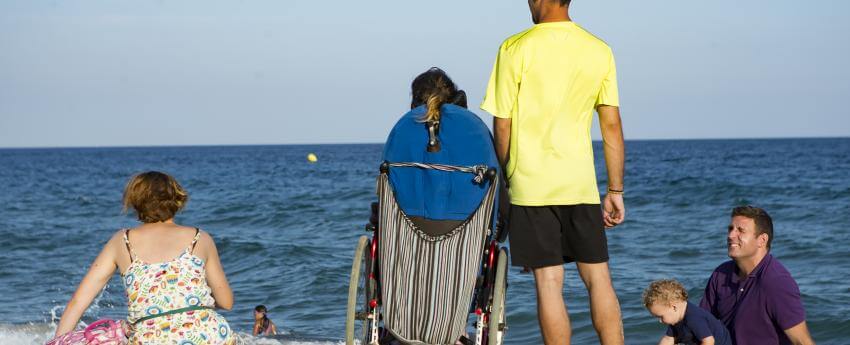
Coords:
312,158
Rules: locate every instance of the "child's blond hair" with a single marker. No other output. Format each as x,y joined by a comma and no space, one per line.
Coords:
664,291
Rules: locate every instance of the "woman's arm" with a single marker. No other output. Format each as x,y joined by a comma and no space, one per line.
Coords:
98,275
273,328
215,275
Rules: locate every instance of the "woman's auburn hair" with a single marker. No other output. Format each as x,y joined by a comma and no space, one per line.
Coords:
155,196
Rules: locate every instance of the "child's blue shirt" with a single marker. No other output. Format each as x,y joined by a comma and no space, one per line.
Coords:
697,325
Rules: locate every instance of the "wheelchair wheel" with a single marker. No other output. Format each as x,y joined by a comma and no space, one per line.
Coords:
497,323
361,290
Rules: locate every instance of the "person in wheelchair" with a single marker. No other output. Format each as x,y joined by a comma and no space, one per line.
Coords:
435,256
438,130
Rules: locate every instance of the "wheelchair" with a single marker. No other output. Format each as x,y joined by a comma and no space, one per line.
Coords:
411,287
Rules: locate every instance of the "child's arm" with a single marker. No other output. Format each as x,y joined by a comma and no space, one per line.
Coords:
708,340
98,275
667,340
215,274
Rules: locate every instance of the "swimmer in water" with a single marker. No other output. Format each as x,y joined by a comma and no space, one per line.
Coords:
262,324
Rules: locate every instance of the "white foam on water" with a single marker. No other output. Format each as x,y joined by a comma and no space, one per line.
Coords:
247,339
28,334
40,333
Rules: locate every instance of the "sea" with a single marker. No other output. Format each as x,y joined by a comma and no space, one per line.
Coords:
286,229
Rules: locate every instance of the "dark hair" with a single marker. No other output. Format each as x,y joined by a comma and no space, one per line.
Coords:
764,224
262,309
155,196
565,2
434,88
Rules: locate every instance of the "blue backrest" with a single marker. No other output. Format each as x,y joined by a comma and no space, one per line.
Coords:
438,195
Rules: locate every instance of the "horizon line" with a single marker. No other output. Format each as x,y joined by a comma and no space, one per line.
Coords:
374,143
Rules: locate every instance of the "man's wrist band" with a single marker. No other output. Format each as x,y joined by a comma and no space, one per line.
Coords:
615,191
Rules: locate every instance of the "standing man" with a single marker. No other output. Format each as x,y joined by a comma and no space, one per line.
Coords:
546,82
753,294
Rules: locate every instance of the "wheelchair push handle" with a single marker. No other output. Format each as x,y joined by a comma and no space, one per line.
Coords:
481,172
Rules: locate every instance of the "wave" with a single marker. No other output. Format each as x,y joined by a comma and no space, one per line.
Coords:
40,333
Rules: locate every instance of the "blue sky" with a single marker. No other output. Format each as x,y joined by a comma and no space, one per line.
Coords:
190,72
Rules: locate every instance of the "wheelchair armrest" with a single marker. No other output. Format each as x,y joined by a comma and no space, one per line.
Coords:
373,217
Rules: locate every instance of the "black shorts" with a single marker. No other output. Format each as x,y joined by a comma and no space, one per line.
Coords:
553,235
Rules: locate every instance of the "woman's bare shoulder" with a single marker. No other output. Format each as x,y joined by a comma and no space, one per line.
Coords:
205,245
117,239
205,237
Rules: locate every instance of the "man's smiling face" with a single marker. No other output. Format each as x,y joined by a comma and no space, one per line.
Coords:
742,240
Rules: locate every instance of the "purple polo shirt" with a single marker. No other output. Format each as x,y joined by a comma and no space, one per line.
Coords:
758,309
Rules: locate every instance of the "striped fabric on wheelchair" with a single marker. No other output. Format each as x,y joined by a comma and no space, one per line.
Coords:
427,281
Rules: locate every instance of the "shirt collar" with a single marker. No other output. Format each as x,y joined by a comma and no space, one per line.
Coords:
757,271
561,23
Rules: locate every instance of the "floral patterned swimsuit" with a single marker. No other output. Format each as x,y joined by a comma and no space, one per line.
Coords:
162,287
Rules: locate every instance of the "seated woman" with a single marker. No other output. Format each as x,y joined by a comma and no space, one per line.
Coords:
438,130
172,273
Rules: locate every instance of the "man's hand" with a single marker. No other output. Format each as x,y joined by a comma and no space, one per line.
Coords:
613,210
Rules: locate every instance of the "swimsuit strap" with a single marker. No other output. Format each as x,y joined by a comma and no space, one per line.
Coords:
195,240
133,256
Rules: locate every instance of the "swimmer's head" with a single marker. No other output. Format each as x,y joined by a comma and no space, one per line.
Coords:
260,312
154,196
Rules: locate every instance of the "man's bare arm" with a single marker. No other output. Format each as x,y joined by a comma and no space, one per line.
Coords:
502,138
799,334
612,139
615,156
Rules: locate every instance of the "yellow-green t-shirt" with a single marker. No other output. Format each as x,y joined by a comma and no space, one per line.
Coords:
548,80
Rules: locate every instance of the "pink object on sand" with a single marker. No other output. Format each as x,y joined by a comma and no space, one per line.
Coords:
100,332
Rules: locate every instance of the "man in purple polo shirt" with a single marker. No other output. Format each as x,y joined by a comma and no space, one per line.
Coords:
753,294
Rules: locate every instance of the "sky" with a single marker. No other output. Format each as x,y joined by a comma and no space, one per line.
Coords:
191,72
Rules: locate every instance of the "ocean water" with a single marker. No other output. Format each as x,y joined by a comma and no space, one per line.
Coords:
286,229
